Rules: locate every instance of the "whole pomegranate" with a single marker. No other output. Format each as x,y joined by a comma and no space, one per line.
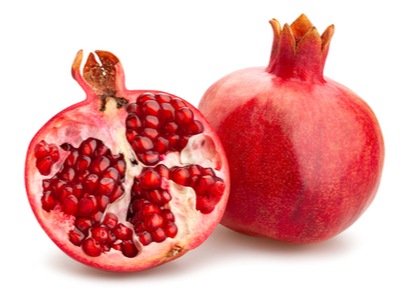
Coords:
305,153
125,180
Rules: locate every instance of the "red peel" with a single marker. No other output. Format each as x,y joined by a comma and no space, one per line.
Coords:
305,153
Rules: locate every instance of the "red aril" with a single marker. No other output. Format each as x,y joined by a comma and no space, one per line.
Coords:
305,153
100,175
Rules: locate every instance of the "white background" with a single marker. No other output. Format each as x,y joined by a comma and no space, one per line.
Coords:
182,47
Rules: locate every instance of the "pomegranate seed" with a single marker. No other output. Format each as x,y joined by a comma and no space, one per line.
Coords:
132,108
167,112
144,238
149,157
54,153
83,162
167,215
171,230
110,220
151,121
173,141
81,176
133,122
150,107
150,209
100,164
100,234
184,116
120,165
122,232
76,237
91,183
162,170
138,204
129,249
136,188
208,171
87,206
194,170
64,191
70,205
44,164
66,147
204,184
102,202
144,97
68,174
41,149
153,222
159,197
163,98
170,127
72,158
180,175
183,141
48,201
112,173
151,133
149,179
218,188
177,103
142,143
106,186
117,193
46,184
194,127
102,150
77,190
112,238
131,135
139,226
92,247
206,204
158,235
83,224
96,217
161,145
88,146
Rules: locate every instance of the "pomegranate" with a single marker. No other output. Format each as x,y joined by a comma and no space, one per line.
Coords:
125,180
305,153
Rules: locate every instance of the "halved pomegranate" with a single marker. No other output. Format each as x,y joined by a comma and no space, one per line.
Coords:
125,180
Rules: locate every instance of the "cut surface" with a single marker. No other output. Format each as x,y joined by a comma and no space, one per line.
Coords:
126,180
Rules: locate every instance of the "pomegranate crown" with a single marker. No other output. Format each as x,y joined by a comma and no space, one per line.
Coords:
298,50
102,73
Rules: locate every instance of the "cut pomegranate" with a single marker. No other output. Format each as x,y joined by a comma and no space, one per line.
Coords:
125,180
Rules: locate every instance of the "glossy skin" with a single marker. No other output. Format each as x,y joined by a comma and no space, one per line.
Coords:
305,154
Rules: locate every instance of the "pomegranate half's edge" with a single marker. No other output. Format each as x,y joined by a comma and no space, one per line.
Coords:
126,179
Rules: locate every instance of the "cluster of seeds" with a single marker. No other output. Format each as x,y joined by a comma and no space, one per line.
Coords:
90,179
157,124
100,237
46,155
149,212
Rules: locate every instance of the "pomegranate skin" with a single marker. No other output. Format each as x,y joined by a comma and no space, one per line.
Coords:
305,153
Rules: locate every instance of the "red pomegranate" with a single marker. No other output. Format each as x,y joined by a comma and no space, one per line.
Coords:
125,180
305,153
